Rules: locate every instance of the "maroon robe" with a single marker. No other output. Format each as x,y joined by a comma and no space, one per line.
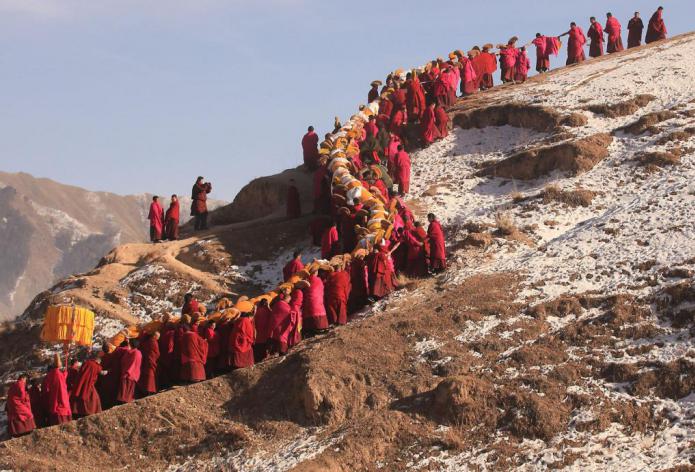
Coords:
337,292
171,222
488,64
437,248
635,28
429,126
294,206
241,341
310,143
131,363
165,364
415,98
313,309
55,393
595,34
85,399
262,322
107,385
656,30
278,326
542,54
381,275
418,252
148,370
38,406
194,353
156,217
291,268
575,46
402,171
373,94
442,121
20,420
615,41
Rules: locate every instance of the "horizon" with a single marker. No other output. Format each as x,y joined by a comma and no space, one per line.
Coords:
132,98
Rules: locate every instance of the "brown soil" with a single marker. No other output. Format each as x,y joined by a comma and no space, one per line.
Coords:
659,158
648,122
478,240
573,198
628,107
517,115
679,135
673,380
573,158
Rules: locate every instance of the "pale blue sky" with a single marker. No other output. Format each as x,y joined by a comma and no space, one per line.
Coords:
136,96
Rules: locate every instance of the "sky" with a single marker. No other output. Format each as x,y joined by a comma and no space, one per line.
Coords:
134,96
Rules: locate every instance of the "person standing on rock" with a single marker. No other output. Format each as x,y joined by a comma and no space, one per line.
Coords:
56,396
294,205
293,266
575,44
542,53
84,400
156,217
20,419
656,31
199,206
435,235
635,28
171,220
131,362
595,34
310,142
613,30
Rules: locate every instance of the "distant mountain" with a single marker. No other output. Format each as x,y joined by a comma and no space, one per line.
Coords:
49,230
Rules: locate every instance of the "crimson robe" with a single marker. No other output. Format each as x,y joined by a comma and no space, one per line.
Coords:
148,370
542,54
575,46
522,67
262,322
165,364
371,128
337,292
437,248
415,98
656,30
310,142
635,27
171,221
295,328
313,309
442,121
615,41
489,66
402,171
156,217
194,353
508,56
107,386
212,336
55,393
294,205
386,108
398,122
291,268
381,277
329,243
225,358
85,399
241,342
418,251
398,98
279,326
190,307
595,34
20,419
131,363
38,406
429,126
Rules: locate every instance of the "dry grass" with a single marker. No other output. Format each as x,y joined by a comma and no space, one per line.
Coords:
574,198
517,197
505,223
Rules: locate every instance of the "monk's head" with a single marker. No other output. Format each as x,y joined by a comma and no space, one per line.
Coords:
174,198
23,377
418,224
187,298
431,217
573,25
199,179
660,9
609,15
310,129
636,14
538,35
592,19
297,255
155,198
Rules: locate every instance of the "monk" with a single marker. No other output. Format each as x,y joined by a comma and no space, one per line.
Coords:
336,296
402,170
241,341
441,119
399,120
208,331
414,97
107,386
20,420
156,217
261,320
542,53
435,235
656,30
313,310
149,347
171,219
418,251
199,206
167,369
190,305
615,40
373,92
359,284
310,142
294,205
489,66
440,90
595,34
38,406
508,56
194,353
321,191
84,400
635,28
575,44
55,392
280,324
73,373
381,276
522,66
429,125
469,76
371,128
294,335
131,362
330,243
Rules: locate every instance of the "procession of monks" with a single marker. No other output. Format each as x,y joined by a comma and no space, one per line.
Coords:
411,113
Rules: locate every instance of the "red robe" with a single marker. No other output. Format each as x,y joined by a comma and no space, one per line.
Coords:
542,53
156,217
359,284
38,406
489,66
385,110
635,28
469,77
656,30
280,326
131,363
522,67
107,386
166,373
442,120
429,126
508,56
402,171
615,41
20,419
85,399
398,122
295,328
313,309
212,336
415,98
371,128
418,252
194,354
55,393
310,143
595,34
437,249
398,98
330,243
241,342
263,326
190,307
381,277
336,295
171,222
148,370
291,268
575,46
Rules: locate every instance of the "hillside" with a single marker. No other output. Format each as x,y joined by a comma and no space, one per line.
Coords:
561,337
49,231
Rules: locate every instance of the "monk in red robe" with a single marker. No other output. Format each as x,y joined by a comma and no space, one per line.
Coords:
293,266
373,92
321,192
429,125
385,111
469,77
575,44
208,331
280,321
399,120
20,420
38,406
241,341
415,97
85,400
435,235
313,310
224,359
489,66
310,142
402,170
330,243
440,90
199,203
595,34
337,293
166,373
56,396
418,251
635,28
542,53
441,119
107,385
190,305
73,373
522,66
398,98
508,56
656,30
615,40
261,320
294,205
131,362
381,276
171,219
194,353
156,217
371,127
294,335
149,347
